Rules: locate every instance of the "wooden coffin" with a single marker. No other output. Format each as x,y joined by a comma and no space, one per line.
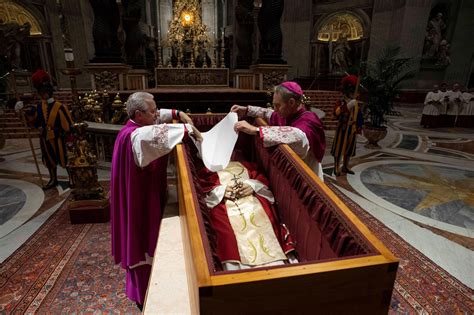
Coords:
354,274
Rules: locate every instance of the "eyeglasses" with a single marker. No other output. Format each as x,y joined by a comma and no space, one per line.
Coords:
149,112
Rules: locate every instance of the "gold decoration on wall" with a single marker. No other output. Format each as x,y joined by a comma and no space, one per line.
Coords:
341,25
11,12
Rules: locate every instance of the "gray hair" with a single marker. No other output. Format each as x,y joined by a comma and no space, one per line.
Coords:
136,101
286,94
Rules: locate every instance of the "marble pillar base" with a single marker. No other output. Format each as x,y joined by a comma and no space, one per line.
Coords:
244,79
89,211
269,75
137,79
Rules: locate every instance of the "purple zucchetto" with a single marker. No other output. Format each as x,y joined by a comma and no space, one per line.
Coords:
293,87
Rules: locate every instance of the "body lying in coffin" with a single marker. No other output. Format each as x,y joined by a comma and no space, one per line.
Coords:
341,268
242,213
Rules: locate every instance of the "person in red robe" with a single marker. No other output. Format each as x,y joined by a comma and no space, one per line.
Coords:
248,232
138,186
290,123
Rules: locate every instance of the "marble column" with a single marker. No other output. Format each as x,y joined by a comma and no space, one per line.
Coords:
164,16
462,46
270,32
244,31
104,31
209,16
135,39
399,23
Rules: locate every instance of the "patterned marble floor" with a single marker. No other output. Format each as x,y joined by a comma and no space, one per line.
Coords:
421,185
24,206
441,193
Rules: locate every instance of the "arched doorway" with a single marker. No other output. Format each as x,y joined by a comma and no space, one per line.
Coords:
338,42
36,51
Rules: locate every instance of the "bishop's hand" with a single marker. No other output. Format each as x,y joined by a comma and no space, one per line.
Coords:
240,110
185,118
196,133
245,127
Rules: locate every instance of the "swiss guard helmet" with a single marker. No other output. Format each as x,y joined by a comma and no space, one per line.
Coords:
348,84
42,82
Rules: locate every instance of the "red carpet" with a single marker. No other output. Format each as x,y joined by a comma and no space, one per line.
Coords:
66,268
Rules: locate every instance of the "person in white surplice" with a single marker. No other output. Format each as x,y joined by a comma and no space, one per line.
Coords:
456,101
138,186
429,118
466,113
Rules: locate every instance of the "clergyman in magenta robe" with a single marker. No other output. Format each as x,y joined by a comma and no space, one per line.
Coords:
138,186
290,123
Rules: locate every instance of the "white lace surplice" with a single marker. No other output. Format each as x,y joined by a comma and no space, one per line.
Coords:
294,137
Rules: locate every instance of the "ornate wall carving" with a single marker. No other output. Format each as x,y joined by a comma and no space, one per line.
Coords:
106,80
273,78
192,77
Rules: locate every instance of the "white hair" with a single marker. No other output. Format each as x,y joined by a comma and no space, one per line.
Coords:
137,101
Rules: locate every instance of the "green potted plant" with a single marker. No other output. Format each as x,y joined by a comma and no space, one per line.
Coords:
382,80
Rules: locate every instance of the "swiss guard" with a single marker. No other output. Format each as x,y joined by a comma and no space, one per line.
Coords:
54,122
350,121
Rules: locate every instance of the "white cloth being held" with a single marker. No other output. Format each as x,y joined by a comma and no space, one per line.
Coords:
218,143
351,104
19,106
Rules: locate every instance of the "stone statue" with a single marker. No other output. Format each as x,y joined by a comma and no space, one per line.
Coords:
12,36
340,58
434,35
443,58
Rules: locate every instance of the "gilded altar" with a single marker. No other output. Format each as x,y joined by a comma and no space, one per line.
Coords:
195,57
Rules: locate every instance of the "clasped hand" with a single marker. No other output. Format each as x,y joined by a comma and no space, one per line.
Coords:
237,191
